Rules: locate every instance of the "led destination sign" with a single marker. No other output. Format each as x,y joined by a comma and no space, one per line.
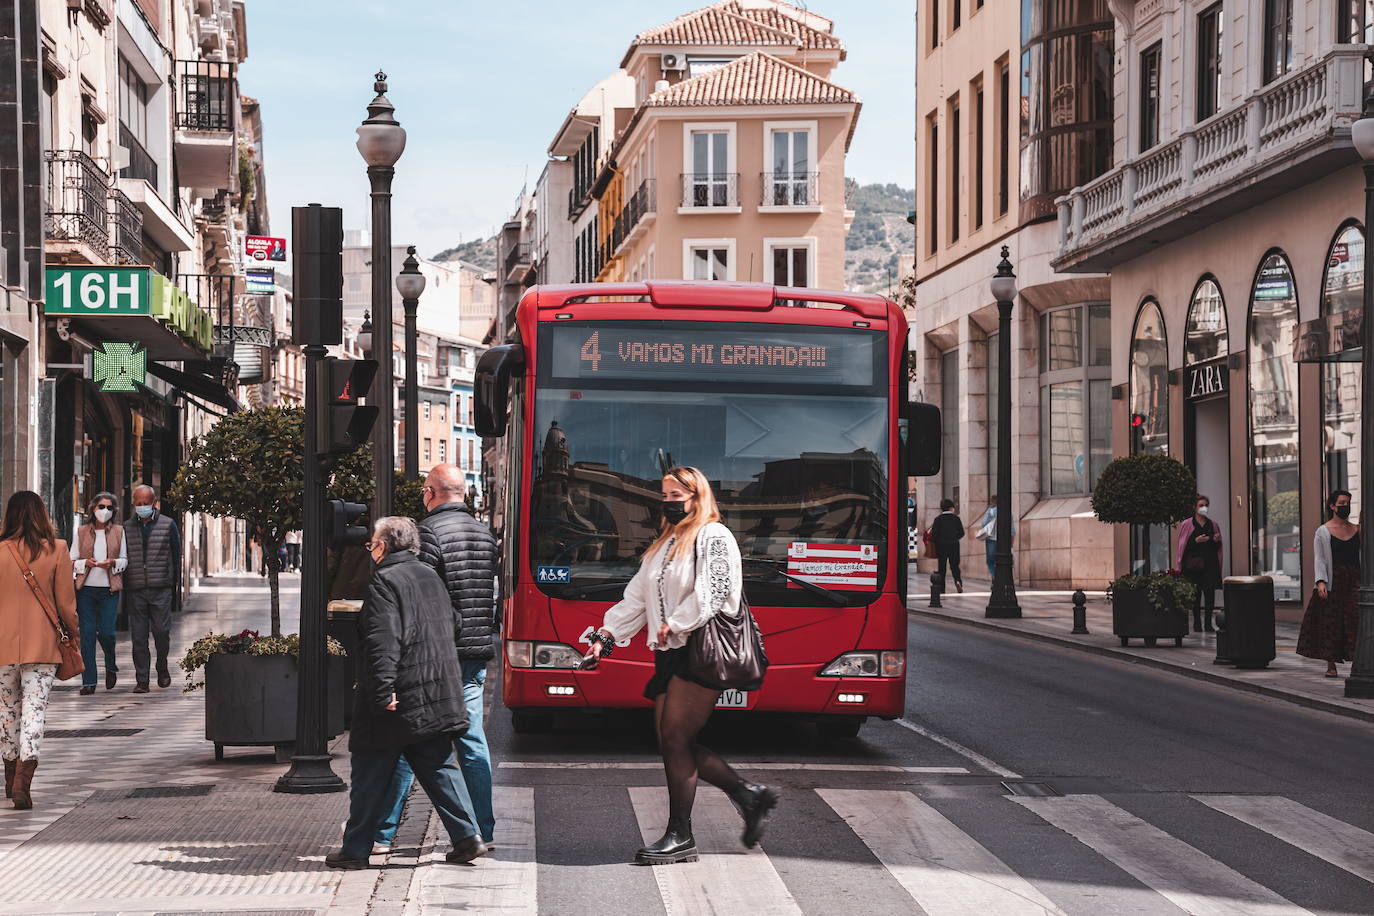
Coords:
755,353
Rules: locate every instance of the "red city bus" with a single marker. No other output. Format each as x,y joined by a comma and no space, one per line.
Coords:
791,401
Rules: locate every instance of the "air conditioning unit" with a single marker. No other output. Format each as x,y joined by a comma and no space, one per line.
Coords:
674,60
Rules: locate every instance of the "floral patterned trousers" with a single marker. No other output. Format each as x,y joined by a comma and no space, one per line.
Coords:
23,706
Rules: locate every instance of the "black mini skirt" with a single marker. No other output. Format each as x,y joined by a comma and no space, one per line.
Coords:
667,663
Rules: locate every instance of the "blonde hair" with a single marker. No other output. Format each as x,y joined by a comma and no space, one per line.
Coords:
704,511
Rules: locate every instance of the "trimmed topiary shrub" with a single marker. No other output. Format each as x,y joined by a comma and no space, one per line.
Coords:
1144,490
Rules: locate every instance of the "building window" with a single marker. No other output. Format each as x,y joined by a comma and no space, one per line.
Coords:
49,114
708,259
792,181
443,413
1204,337
978,152
1075,398
1003,139
1275,542
426,410
427,445
949,428
933,175
471,462
134,96
1278,38
709,179
956,14
1149,96
1354,22
1209,37
955,170
1342,292
1148,394
697,66
789,262
934,26
443,451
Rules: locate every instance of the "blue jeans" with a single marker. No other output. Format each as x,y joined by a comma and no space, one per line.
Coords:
473,755
374,772
97,608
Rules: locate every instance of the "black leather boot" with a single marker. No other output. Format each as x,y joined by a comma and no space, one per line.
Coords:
676,845
1208,625
1197,621
754,802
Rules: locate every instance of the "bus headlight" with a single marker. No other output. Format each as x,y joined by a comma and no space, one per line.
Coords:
522,654
867,664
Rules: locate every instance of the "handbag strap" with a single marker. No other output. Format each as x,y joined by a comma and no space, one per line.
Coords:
38,593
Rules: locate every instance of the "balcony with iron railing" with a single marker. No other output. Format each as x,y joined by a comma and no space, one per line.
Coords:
789,189
710,190
517,262
206,119
636,216
141,164
126,229
75,208
1281,134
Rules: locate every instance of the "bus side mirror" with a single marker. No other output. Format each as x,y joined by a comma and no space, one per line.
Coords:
491,386
922,439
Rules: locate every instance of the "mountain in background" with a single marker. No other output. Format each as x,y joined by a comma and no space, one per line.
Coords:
479,253
878,236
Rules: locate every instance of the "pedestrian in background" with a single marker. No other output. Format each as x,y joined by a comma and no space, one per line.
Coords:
408,702
293,550
463,552
1331,623
985,530
99,555
36,591
947,531
1199,559
688,575
150,583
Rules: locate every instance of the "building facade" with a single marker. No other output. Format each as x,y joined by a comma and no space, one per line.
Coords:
1231,225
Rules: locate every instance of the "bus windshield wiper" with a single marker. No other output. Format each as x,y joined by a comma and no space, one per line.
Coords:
774,566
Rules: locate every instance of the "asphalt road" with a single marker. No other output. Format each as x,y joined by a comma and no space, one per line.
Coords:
1148,793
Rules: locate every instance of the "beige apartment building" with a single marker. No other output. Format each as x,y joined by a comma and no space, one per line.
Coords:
1011,114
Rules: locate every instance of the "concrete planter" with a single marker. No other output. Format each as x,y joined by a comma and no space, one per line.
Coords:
1135,617
250,701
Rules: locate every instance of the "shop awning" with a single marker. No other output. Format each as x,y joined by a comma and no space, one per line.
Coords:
196,385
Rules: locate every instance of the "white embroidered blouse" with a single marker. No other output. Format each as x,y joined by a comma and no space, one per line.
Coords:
681,591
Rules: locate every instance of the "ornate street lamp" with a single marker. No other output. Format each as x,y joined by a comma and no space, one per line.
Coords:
1360,684
410,283
381,140
1002,603
365,335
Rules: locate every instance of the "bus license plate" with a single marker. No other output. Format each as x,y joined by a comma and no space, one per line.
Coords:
733,699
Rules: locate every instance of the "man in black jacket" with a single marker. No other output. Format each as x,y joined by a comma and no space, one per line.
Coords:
409,698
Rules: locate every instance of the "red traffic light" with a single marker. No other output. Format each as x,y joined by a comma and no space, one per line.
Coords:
1137,420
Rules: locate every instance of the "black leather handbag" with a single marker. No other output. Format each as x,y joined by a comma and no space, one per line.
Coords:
727,652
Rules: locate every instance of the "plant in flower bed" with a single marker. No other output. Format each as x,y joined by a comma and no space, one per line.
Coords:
247,642
1165,588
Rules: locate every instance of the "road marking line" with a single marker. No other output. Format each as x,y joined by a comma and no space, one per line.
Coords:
1343,845
505,880
728,878
956,747
1182,874
945,870
805,767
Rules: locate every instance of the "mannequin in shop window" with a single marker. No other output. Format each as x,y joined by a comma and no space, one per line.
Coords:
1331,622
1199,559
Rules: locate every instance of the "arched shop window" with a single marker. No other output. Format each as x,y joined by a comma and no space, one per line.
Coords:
1205,336
1342,291
1275,540
1075,398
1149,402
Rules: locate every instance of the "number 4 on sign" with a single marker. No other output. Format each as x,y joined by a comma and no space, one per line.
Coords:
591,350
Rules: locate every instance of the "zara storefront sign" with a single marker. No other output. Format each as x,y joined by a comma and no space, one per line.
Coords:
106,292
1205,380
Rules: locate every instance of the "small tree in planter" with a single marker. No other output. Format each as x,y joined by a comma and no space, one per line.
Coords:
1145,490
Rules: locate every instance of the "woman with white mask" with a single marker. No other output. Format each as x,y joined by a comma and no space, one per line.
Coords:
99,555
1199,559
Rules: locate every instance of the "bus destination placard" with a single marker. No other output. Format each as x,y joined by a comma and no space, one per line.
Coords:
730,354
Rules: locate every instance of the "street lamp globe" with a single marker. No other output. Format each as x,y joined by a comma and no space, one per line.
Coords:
381,138
365,333
410,283
1004,281
1362,134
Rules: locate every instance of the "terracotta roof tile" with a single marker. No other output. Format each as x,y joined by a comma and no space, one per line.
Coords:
715,25
808,36
755,79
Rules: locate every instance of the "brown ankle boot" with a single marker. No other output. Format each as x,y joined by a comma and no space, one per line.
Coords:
10,766
23,780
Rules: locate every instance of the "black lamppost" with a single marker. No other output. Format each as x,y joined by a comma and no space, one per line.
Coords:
1002,602
381,140
410,283
364,337
1360,684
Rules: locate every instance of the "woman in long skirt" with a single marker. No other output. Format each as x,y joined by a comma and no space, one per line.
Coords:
1331,623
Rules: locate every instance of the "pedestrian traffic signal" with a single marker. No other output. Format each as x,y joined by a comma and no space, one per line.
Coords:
343,530
317,273
343,425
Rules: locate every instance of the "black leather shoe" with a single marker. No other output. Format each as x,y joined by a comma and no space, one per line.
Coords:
111,678
754,803
339,860
467,850
87,689
141,688
676,845
164,679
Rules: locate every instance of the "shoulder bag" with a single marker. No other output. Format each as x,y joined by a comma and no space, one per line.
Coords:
727,652
71,664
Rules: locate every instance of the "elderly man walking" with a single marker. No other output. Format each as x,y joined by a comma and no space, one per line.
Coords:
150,583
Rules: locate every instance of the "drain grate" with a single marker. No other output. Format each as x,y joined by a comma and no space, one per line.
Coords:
170,791
91,732
1027,789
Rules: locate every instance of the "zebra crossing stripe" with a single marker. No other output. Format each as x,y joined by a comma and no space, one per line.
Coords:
728,878
1321,835
1182,874
944,869
505,880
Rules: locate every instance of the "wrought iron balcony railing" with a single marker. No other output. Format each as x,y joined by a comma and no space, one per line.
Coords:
712,189
75,209
641,203
789,189
141,165
207,95
519,254
126,229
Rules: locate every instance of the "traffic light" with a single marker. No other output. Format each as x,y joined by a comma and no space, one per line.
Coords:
343,425
343,532
317,273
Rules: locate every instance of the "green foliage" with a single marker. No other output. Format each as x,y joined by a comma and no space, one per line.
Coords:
1166,589
1144,489
247,177
248,642
1281,511
406,499
478,252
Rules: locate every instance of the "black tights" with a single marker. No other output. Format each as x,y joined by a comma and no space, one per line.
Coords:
679,716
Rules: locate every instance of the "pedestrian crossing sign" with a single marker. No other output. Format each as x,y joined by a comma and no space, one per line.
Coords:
553,574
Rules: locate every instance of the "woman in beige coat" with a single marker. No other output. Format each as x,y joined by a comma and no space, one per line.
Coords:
29,650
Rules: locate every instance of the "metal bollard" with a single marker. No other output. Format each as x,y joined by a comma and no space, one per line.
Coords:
937,585
1080,613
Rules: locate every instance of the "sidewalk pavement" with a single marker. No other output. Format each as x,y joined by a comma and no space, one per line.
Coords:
1048,616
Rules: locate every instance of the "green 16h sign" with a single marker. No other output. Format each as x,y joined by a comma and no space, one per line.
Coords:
99,291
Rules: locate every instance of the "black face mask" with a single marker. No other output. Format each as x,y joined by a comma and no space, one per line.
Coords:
674,510
1343,512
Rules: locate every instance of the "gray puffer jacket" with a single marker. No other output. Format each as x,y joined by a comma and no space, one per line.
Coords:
462,550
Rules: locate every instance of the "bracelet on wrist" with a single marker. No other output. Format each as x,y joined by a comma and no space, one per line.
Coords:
607,643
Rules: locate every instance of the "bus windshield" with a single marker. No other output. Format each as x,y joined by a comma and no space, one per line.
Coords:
791,429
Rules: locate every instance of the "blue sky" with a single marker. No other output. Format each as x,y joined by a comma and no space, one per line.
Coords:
480,88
